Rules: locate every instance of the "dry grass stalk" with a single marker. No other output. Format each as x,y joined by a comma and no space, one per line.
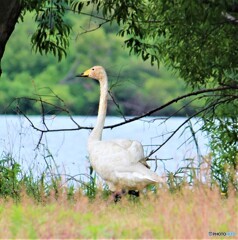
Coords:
188,213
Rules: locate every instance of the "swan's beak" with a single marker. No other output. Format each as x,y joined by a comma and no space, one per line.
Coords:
84,74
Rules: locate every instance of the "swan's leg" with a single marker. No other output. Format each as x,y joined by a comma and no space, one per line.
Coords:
117,195
134,193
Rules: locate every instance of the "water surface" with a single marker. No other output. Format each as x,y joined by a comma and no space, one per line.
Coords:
68,149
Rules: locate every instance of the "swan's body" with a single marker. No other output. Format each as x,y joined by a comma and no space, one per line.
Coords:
119,162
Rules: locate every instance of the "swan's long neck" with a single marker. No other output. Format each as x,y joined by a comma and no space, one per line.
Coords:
96,134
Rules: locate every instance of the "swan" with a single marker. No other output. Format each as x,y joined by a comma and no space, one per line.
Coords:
119,162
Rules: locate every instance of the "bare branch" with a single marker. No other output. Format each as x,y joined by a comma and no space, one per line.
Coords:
170,103
213,105
199,95
149,113
117,105
93,29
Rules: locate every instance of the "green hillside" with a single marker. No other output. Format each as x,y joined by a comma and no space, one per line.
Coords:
136,86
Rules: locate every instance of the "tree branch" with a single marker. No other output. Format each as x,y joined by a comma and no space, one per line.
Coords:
126,121
149,113
64,109
213,105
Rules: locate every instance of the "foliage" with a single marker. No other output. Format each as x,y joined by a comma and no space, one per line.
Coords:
14,181
155,30
31,75
198,39
9,173
223,142
52,32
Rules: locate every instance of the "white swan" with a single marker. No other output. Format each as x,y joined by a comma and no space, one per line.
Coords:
120,162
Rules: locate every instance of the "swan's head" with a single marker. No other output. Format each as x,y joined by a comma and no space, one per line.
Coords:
96,72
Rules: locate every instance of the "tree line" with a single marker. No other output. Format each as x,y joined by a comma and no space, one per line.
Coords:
136,86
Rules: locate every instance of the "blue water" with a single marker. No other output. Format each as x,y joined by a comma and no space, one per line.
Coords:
66,151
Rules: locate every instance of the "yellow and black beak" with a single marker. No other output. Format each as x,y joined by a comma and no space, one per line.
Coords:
84,74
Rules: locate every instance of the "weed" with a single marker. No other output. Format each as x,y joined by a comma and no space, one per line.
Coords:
9,172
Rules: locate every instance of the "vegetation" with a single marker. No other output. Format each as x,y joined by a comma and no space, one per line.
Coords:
134,85
161,216
51,208
197,41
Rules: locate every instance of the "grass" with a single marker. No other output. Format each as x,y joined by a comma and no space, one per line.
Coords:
44,208
189,213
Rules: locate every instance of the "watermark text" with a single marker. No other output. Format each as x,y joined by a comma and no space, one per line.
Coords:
221,234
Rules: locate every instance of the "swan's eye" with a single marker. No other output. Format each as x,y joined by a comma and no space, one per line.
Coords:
93,69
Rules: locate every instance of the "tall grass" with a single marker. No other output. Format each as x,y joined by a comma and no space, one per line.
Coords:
47,207
190,213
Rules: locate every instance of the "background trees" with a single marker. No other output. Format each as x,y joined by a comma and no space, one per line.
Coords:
28,74
197,39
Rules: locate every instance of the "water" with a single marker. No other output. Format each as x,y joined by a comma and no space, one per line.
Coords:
68,151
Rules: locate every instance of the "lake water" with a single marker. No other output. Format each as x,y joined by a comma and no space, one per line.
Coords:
68,148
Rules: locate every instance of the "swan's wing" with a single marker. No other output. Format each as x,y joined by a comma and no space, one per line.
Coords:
122,151
133,148
135,176
120,166
130,145
124,143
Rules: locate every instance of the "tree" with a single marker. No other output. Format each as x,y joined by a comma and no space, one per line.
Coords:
9,13
196,38
52,31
